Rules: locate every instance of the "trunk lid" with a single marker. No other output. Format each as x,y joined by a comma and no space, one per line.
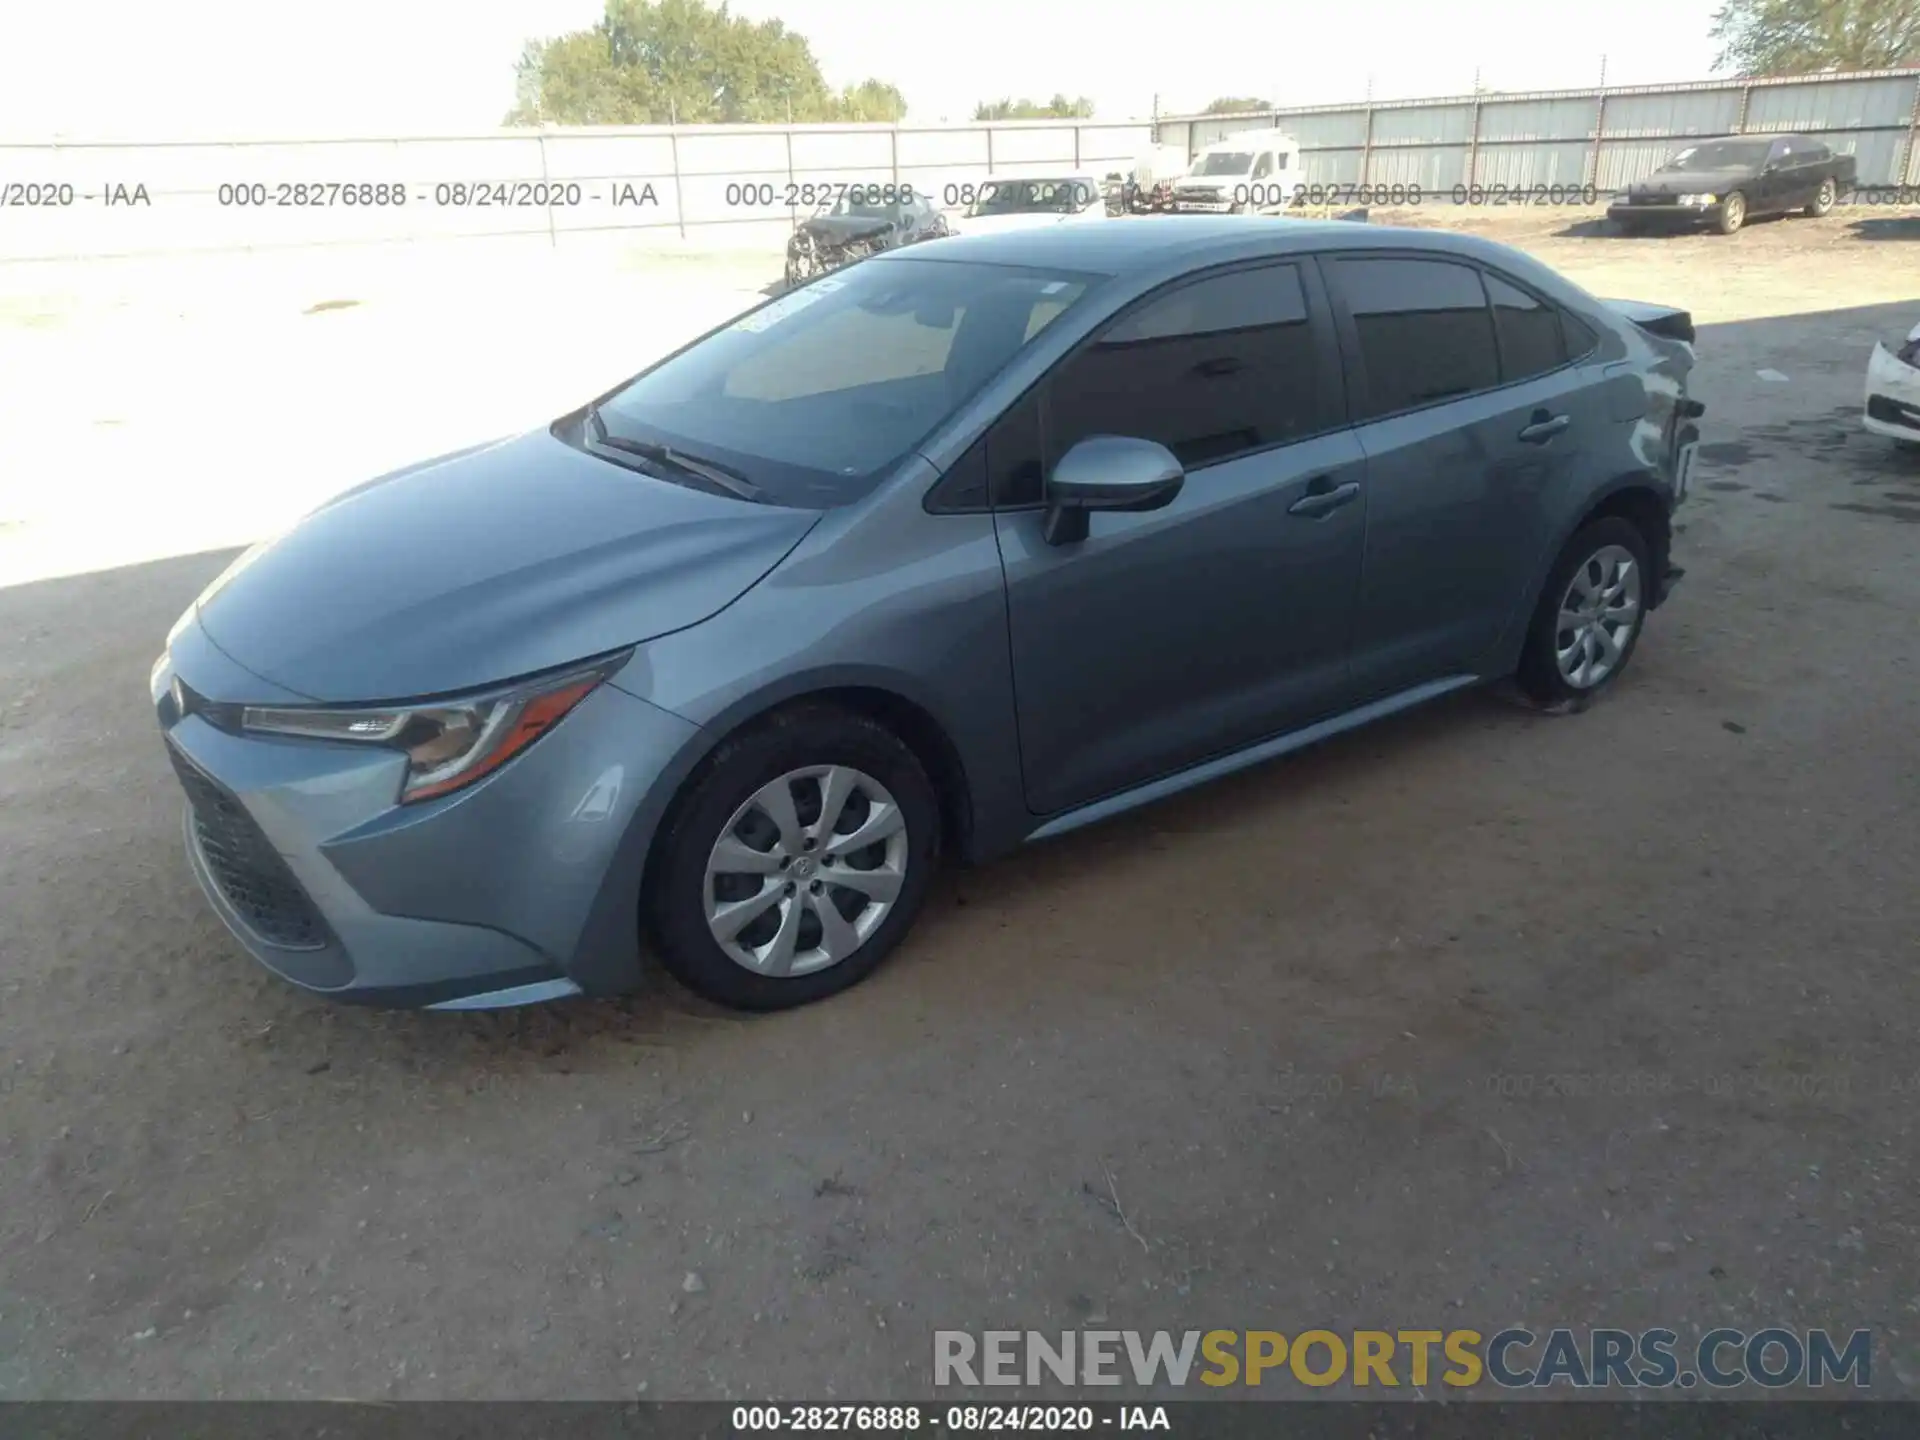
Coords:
1666,321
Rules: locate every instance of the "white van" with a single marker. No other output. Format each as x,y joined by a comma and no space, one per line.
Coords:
1251,170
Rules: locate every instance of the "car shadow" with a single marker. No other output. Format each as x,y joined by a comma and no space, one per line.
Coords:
1887,227
1594,227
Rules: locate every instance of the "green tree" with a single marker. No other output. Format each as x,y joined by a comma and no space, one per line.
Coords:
651,62
870,100
1228,105
1804,37
1058,108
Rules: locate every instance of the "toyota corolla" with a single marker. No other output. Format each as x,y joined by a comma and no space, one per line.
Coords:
961,547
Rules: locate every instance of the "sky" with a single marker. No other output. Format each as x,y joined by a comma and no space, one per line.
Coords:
195,68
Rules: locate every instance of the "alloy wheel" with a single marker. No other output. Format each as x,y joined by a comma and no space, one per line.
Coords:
1599,614
805,872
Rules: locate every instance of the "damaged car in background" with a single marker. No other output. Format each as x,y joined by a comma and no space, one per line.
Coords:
863,220
1893,391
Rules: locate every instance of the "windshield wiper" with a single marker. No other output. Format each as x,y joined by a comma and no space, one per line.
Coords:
722,477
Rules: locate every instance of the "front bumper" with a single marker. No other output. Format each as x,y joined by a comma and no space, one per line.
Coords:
1893,397
1662,214
523,887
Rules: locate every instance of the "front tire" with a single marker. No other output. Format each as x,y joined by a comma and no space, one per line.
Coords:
1733,213
796,863
1590,614
1823,203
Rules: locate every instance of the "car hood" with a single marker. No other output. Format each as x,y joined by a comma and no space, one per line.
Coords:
485,565
1692,182
839,229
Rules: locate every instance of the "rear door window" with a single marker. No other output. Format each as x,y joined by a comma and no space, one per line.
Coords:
1425,331
1531,340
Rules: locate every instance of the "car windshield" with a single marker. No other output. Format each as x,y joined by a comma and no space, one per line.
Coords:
1224,162
1027,197
818,395
1720,155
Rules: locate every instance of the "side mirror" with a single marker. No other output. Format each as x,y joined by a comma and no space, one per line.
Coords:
1108,472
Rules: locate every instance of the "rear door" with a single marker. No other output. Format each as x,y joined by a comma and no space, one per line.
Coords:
1171,636
1778,180
1472,419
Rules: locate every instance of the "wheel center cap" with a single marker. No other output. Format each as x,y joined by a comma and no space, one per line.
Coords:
803,867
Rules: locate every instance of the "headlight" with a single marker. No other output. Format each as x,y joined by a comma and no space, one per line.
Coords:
1698,199
1909,353
449,744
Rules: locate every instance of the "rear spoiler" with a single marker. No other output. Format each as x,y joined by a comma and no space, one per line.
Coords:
1662,320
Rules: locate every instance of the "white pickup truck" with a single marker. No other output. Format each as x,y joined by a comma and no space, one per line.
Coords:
1251,170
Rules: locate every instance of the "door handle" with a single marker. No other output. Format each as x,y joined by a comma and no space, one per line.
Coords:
1316,503
1220,365
1544,427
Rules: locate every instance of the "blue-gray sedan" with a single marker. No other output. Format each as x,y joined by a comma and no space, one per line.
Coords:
957,548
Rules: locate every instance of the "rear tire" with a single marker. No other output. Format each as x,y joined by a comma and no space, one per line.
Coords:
1590,615
722,853
1733,213
1823,203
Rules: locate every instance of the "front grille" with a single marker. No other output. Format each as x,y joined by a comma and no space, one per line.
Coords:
250,873
1889,411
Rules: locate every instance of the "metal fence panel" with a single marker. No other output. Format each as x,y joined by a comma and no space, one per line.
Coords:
1434,168
815,150
1332,167
1325,130
1830,105
1423,125
944,147
1104,143
744,156
1543,120
1045,147
1876,154
582,155
1517,166
1672,113
1624,161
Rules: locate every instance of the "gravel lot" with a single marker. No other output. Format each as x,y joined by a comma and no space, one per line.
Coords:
1283,1053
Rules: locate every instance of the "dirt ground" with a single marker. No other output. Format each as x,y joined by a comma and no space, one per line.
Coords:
1476,1018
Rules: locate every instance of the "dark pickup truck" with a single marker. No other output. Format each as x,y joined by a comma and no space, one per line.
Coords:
1725,183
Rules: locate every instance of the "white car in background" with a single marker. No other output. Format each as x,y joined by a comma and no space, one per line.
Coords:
1893,391
1022,202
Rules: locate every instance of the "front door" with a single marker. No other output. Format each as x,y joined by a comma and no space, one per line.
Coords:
1169,637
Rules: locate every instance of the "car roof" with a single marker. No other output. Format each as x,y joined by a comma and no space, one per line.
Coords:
1138,244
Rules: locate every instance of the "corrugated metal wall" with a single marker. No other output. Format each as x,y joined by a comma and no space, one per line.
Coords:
1604,137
